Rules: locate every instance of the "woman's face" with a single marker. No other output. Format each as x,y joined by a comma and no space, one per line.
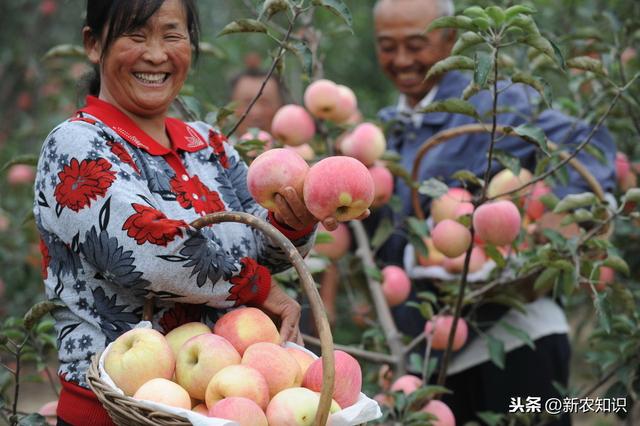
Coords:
143,71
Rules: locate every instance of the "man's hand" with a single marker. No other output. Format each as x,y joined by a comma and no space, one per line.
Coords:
279,304
291,211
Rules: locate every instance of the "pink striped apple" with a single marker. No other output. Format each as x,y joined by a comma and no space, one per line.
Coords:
440,326
348,378
497,222
383,185
444,206
241,410
292,125
451,238
396,285
366,143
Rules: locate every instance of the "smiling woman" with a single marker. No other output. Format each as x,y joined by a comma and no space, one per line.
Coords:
118,185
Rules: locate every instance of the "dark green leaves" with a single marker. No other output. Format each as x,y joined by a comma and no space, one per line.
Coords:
496,351
459,22
575,201
457,62
533,133
466,40
452,106
433,188
338,8
587,63
243,26
484,64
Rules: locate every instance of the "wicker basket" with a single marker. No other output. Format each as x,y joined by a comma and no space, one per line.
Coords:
449,134
126,411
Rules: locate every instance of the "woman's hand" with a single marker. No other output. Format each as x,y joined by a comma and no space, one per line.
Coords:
279,304
291,211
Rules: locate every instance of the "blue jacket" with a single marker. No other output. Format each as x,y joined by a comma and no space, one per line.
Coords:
470,151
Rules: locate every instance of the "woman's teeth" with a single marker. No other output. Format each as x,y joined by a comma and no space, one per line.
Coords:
151,78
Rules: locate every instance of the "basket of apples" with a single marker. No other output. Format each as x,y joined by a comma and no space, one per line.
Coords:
237,373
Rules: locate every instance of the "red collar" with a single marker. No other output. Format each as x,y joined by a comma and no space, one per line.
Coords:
182,136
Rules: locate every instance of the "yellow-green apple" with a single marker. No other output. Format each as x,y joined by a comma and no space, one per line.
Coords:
366,143
305,151
200,358
382,184
346,106
49,412
241,410
201,409
434,257
440,410
321,98
505,181
396,285
272,171
278,367
340,244
406,384
303,359
348,378
455,265
497,222
292,125
444,206
181,334
296,407
440,326
243,327
164,391
338,186
19,174
533,207
451,238
137,356
238,380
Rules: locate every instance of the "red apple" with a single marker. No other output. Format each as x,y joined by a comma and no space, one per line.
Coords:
444,206
406,384
164,391
292,125
463,209
606,276
305,151
441,330
533,207
456,265
303,359
396,285
19,174
340,244
238,380
346,106
49,412
241,410
383,185
243,327
338,186
451,238
137,356
441,411
348,378
321,98
279,368
200,358
48,7
505,181
272,171
498,222
366,143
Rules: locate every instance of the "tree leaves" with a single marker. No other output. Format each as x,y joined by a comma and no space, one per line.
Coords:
535,134
496,351
338,8
243,26
433,188
452,106
458,22
587,63
466,40
575,201
456,62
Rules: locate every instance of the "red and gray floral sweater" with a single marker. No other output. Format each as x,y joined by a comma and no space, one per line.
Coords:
113,208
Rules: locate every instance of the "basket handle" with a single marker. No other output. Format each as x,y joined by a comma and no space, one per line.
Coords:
445,135
308,286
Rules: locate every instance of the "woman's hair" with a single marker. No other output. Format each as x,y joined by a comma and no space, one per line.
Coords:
113,18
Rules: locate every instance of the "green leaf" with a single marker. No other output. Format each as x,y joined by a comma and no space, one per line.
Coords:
496,14
415,361
271,7
618,264
596,153
467,176
210,49
535,134
304,55
490,418
518,9
418,244
28,159
495,255
568,282
546,280
541,44
559,56
374,273
537,83
433,188
484,64
458,22
481,23
383,232
496,351
324,238
39,310
452,106
65,51
338,8
466,40
519,333
33,419
526,23
632,196
457,62
419,227
550,200
508,160
243,26
587,63
575,201
471,89
419,397
475,12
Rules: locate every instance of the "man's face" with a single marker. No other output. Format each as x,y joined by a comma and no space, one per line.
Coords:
405,52
263,110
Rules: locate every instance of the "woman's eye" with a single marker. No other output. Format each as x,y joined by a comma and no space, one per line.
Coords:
136,37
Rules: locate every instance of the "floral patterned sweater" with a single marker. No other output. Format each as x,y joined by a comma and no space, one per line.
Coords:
113,208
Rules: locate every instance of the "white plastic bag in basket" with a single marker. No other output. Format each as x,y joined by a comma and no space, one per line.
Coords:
364,410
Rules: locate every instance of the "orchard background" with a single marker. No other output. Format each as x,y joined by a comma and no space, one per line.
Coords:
41,66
